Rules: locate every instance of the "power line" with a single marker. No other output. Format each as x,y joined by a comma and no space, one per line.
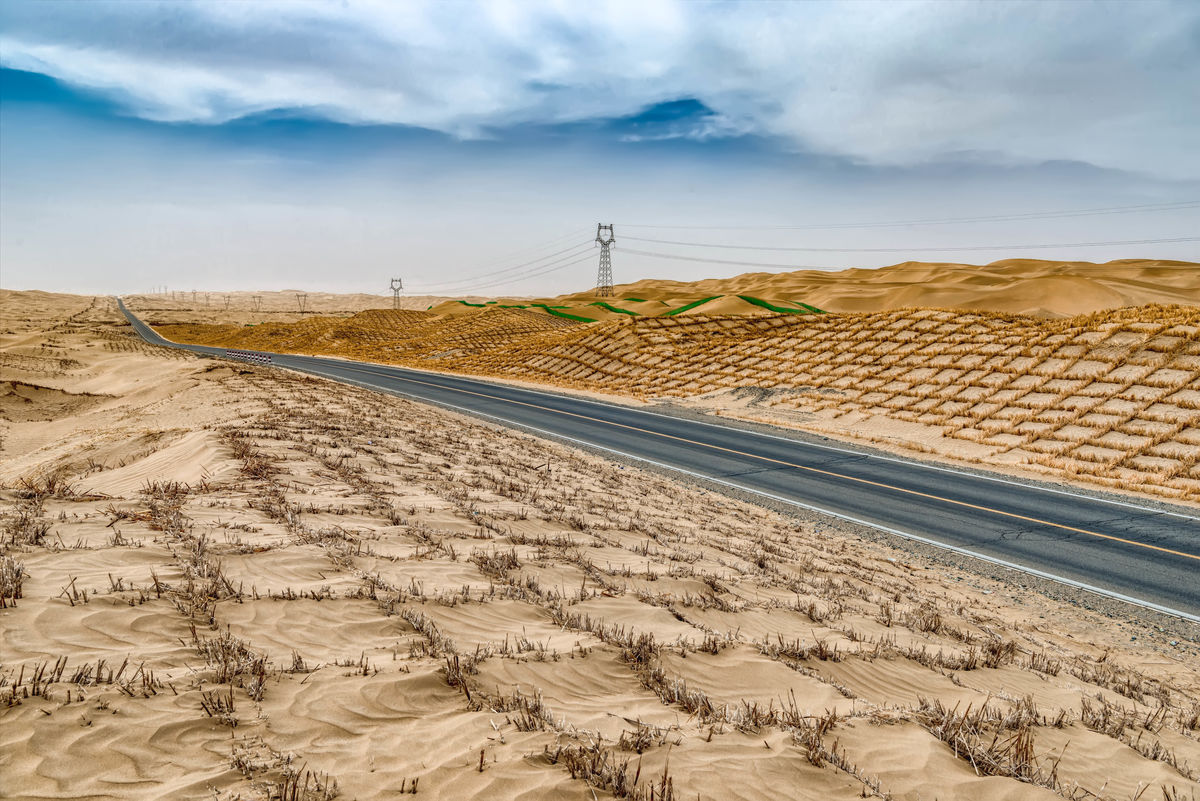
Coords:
681,257
487,271
903,250
1037,215
512,268
516,267
544,269
509,281
499,278
547,244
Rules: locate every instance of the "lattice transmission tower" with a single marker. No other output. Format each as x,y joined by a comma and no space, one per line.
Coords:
396,286
604,279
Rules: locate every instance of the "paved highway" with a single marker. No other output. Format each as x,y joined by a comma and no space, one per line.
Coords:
1144,555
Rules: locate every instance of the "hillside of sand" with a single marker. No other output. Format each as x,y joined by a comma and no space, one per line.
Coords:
1108,398
1019,286
223,582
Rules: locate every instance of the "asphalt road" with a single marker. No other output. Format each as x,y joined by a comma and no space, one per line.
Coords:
1145,555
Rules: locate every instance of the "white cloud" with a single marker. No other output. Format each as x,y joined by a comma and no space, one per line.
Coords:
1116,85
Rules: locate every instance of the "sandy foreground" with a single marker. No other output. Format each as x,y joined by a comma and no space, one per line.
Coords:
225,582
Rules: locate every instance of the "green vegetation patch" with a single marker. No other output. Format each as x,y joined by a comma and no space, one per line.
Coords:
513,306
689,306
636,300
468,303
780,309
554,311
613,308
547,308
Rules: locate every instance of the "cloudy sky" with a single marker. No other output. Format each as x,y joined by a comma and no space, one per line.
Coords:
463,146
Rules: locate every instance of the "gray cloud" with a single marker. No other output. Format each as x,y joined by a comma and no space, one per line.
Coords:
1112,84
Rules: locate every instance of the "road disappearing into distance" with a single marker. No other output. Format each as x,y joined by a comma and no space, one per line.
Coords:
1143,555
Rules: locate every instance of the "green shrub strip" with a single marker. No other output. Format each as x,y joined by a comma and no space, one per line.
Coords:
688,306
564,315
780,309
612,308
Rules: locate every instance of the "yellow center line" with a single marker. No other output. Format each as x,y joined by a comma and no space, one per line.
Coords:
818,470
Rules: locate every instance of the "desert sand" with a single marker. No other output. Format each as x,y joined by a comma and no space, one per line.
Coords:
1033,287
218,581
1021,286
1109,397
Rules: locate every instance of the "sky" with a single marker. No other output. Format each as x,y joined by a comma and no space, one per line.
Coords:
473,147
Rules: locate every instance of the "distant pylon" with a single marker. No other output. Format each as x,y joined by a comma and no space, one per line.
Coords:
396,286
257,302
604,280
302,299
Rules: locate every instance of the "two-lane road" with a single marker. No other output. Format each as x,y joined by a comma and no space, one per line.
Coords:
1124,550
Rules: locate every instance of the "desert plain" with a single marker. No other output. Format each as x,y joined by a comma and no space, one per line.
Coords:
229,582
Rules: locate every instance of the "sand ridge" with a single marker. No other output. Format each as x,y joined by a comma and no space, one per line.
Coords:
1021,286
365,597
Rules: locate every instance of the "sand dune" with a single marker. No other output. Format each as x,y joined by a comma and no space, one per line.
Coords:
1022,286
373,597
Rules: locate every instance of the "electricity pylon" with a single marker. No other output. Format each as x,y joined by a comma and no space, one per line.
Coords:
302,299
396,286
257,299
604,279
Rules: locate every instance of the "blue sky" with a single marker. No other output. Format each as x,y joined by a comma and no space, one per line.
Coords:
329,146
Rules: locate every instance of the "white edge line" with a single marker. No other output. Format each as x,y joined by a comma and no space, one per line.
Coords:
802,443
897,532
851,451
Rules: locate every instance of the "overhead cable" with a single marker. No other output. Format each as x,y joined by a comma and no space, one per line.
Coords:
544,269
682,257
903,250
1036,215
534,263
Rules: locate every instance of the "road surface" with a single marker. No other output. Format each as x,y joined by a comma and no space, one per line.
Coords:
1123,550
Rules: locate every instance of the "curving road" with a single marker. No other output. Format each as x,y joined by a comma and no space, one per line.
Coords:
1139,554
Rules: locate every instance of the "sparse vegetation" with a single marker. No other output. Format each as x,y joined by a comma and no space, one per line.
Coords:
374,598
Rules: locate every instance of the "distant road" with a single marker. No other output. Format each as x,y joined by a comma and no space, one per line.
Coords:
1124,550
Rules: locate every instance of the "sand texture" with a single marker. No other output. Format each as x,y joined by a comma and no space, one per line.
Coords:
225,582
1021,286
